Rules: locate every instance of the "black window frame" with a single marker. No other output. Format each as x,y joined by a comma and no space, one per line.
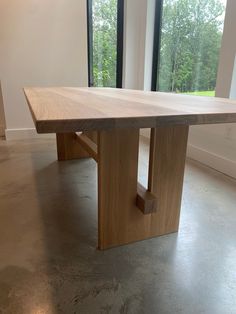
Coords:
120,42
156,44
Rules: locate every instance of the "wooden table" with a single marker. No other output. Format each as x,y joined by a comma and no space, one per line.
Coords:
110,120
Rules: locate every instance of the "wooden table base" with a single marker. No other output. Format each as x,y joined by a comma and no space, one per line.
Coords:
127,212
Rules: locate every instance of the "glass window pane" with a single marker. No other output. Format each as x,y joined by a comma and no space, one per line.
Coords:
190,42
104,19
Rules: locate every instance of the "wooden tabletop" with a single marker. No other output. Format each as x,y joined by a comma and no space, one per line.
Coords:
65,109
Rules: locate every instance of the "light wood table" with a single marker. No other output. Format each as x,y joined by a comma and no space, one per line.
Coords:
110,120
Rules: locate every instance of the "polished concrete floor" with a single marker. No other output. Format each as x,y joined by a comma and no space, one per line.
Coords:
48,235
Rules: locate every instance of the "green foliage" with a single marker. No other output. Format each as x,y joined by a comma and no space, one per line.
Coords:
208,93
104,42
190,43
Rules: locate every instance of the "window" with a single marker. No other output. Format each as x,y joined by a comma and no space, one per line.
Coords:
105,42
186,45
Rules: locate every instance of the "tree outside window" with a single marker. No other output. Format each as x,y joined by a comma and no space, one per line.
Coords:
191,32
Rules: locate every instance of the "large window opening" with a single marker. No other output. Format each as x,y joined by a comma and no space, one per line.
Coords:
187,42
105,42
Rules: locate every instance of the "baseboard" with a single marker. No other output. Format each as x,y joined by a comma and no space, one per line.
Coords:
212,160
208,158
22,134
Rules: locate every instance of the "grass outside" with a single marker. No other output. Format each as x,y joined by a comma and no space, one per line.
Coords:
208,93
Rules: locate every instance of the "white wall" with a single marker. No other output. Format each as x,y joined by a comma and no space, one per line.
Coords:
42,43
138,45
2,115
150,23
233,82
215,145
134,43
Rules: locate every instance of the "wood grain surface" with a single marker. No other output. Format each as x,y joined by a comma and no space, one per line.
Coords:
69,148
168,147
88,145
65,109
120,220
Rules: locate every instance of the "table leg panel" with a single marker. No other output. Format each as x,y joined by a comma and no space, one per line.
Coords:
68,147
119,219
117,186
168,147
